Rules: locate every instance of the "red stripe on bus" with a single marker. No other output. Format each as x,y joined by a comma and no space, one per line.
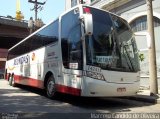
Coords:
40,84
68,90
29,81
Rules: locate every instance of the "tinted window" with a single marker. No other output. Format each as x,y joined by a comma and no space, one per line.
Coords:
75,46
42,38
99,46
71,43
15,52
127,45
112,45
49,34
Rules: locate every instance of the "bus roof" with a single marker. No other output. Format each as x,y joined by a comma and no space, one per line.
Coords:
80,5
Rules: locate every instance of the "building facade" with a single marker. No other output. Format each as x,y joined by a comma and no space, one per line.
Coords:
3,56
72,3
11,32
135,12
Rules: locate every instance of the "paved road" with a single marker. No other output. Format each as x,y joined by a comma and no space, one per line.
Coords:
31,102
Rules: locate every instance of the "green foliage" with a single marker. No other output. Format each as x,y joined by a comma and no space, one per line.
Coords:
141,57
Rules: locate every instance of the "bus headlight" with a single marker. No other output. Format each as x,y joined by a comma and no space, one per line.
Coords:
94,75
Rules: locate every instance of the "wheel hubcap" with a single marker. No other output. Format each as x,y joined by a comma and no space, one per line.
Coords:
51,87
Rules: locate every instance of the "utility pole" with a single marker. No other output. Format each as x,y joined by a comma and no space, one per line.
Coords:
37,5
152,51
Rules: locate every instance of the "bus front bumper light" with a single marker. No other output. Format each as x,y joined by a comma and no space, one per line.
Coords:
94,75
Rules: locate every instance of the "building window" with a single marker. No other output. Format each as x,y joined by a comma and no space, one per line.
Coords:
140,24
73,3
156,22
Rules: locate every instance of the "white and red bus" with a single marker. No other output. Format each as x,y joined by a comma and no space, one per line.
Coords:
85,52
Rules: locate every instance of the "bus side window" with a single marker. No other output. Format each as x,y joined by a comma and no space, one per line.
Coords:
70,38
75,46
64,45
49,35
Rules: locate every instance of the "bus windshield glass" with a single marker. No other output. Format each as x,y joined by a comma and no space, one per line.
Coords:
112,45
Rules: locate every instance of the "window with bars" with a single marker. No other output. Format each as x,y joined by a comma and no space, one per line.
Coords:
140,24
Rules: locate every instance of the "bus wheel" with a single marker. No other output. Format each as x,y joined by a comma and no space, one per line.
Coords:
12,81
51,89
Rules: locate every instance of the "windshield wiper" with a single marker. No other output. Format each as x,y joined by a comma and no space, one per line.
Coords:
131,67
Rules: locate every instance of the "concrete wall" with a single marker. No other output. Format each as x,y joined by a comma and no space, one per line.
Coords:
3,56
143,48
134,13
131,13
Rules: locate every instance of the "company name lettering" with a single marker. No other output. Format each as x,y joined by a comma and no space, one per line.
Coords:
22,60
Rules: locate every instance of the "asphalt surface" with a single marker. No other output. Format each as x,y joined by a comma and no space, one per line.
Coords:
29,102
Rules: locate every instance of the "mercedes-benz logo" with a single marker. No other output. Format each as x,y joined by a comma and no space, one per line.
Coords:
122,79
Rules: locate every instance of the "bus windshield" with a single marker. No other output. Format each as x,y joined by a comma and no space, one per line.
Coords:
112,45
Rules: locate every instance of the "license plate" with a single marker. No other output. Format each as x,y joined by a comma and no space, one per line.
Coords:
121,90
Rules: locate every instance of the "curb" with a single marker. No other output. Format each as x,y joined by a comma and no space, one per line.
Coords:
146,98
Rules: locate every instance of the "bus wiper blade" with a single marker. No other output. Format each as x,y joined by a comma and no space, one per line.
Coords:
132,67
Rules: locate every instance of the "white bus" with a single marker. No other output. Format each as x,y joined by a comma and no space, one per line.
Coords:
85,52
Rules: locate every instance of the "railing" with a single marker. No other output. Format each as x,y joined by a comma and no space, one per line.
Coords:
13,19
9,20
100,3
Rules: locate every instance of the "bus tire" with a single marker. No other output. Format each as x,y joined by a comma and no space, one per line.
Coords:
8,77
51,87
12,81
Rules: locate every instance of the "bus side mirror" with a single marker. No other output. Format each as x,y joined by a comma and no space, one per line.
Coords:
88,23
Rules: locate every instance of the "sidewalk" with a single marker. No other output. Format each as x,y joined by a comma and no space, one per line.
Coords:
144,95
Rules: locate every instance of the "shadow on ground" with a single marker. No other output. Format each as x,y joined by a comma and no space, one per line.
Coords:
34,103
